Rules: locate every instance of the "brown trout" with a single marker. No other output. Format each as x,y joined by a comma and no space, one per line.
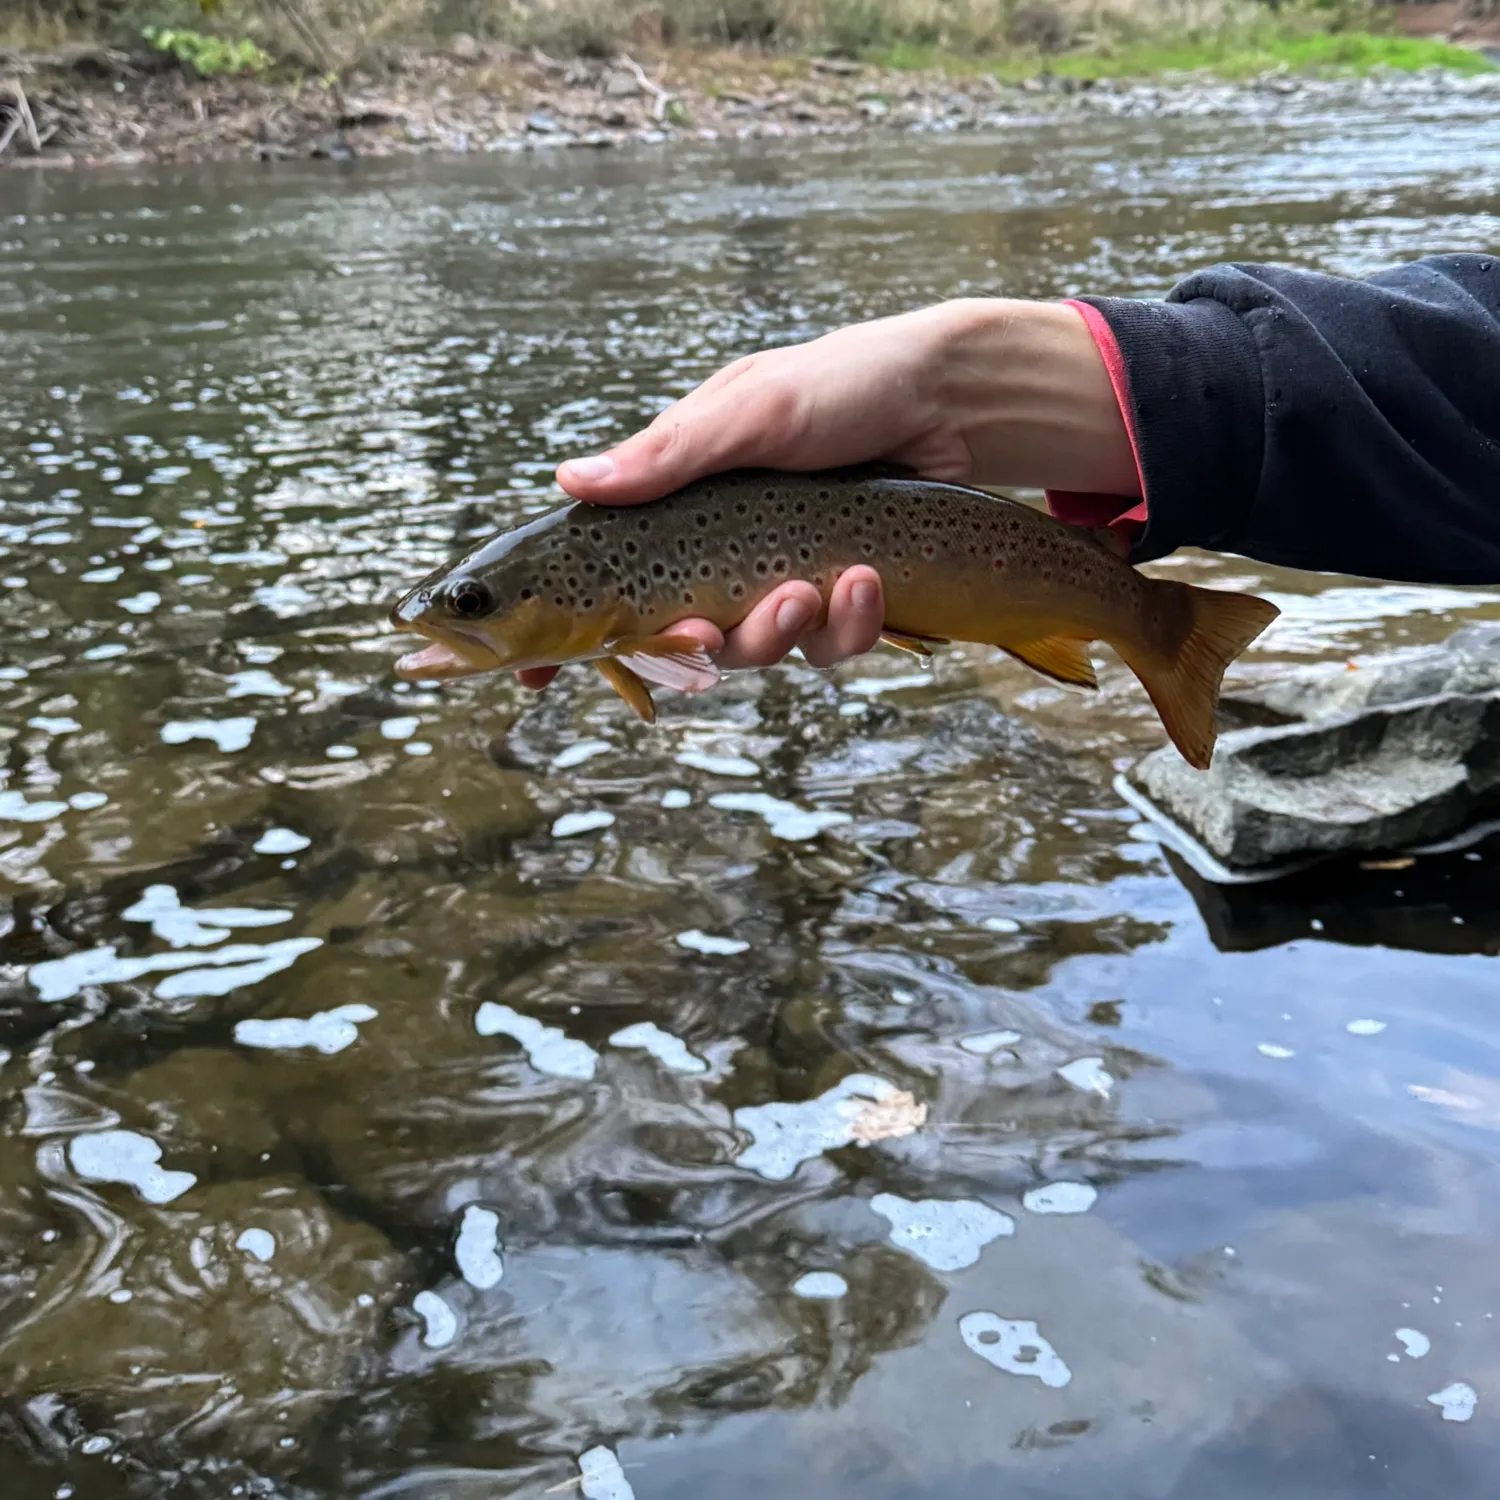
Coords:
607,583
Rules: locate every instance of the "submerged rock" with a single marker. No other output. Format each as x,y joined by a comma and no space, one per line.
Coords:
1399,753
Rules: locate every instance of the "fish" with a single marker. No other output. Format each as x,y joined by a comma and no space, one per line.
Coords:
607,584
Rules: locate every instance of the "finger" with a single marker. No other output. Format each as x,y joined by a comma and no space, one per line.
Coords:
537,678
773,627
750,423
705,631
856,616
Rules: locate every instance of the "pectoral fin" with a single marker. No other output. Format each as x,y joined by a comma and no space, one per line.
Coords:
1063,658
674,661
918,645
628,686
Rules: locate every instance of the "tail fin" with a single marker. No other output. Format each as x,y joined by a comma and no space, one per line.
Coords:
1201,631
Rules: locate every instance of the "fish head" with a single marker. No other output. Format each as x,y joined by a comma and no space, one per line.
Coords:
497,609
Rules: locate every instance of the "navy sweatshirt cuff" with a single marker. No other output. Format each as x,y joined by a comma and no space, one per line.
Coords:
1198,413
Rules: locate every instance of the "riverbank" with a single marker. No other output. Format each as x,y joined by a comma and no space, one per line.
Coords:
89,105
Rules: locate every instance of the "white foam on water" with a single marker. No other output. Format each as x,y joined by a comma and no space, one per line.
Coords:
228,975
785,819
1061,1198
62,978
1274,1050
705,942
548,1048
1089,1075
15,807
101,575
1015,1347
341,752
1456,1401
853,709
255,682
717,765
946,1234
1417,1345
987,1042
87,801
602,1477
400,728
786,1135
578,752
477,1250
259,1244
228,734
676,797
140,604
440,1325
1001,924
581,822
54,724
872,687
1365,1028
417,747
327,1032
670,1051
280,841
184,927
821,1286
105,652
124,1156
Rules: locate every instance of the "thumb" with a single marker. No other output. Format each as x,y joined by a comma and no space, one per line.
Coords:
704,433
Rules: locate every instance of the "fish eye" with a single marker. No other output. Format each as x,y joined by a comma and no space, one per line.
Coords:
469,598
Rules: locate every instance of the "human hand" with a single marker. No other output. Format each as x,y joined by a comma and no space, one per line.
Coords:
978,390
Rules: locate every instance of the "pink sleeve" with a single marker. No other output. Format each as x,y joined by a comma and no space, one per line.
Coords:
1114,511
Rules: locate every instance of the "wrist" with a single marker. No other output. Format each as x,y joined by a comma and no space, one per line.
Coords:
1029,391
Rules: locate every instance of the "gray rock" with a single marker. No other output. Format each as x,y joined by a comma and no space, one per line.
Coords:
621,86
1467,662
1383,777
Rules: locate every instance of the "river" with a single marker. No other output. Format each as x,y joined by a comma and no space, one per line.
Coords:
832,1092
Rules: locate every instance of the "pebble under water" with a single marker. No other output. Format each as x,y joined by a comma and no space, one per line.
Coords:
834,1091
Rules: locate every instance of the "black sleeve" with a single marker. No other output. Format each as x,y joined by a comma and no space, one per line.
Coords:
1323,423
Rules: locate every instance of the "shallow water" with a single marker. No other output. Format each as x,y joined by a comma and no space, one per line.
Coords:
455,1093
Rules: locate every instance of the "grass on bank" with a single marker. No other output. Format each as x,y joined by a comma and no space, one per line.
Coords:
1085,39
1225,56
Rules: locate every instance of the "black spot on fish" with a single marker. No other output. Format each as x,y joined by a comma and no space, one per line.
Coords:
644,524
736,590
705,571
659,569
780,565
760,567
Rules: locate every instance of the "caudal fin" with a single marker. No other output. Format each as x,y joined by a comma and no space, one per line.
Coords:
1202,632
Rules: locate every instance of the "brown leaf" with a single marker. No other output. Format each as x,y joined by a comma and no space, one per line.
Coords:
888,1119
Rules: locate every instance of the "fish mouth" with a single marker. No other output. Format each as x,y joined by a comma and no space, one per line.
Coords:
446,656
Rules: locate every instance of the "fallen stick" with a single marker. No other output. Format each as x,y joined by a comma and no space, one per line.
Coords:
660,97
21,118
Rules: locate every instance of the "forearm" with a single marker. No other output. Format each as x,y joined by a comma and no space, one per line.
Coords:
1026,385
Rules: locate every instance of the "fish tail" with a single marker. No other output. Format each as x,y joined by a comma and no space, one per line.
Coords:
1195,633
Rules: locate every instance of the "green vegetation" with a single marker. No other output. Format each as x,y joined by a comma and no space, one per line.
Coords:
208,56
1228,55
1010,38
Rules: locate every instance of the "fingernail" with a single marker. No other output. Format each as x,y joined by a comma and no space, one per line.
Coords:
590,470
794,615
864,595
